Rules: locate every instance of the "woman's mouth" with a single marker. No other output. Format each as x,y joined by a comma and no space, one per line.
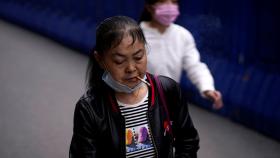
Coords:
132,79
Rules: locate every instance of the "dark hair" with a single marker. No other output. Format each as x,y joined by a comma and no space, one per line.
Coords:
109,34
146,15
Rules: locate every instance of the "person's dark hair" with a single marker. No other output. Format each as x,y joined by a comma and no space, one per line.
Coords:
146,15
109,34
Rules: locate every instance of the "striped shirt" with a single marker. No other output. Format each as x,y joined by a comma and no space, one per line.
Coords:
138,139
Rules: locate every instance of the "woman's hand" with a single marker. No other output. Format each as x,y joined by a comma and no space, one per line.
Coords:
214,96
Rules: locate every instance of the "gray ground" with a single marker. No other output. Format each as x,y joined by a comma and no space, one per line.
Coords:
40,82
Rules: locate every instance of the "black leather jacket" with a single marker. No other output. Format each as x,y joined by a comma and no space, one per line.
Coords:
99,127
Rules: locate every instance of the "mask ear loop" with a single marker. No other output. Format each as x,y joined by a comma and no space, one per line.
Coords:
101,63
105,67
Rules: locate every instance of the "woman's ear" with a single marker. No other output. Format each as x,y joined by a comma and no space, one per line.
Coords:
99,60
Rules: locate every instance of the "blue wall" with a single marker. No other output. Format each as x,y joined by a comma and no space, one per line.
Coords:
249,28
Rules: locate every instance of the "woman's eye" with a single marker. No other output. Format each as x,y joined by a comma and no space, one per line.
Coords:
119,61
138,57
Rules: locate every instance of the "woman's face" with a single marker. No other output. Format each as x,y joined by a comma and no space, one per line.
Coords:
160,2
161,13
126,61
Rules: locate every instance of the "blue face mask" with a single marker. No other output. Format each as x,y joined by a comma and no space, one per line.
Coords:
118,87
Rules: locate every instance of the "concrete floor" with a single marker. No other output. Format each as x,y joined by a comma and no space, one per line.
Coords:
40,82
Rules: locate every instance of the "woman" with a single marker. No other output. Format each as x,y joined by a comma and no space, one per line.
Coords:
173,48
121,114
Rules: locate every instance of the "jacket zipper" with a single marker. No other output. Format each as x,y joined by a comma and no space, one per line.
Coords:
153,139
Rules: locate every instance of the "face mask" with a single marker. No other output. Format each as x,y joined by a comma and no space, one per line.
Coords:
166,13
118,87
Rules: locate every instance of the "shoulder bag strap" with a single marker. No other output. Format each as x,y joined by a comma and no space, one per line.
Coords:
163,100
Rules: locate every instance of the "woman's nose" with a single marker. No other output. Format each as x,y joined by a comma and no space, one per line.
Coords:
130,67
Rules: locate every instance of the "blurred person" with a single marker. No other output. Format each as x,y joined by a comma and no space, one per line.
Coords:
122,113
172,48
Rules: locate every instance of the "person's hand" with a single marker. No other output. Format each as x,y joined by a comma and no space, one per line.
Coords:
214,96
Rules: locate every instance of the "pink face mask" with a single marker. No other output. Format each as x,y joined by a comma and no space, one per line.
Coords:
166,13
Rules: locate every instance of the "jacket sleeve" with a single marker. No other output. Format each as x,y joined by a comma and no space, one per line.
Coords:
83,144
186,136
197,71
